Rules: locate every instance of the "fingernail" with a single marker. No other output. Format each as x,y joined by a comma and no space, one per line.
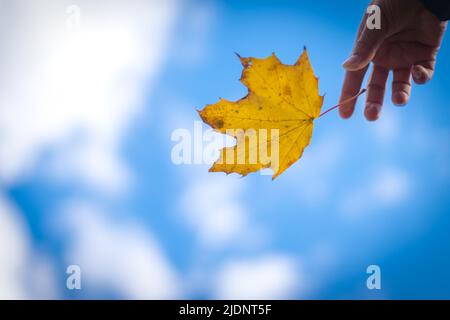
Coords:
345,113
400,98
417,74
372,111
352,61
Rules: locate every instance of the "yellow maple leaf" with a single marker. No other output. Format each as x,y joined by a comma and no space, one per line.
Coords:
273,123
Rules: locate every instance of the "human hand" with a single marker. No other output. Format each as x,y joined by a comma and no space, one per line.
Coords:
407,44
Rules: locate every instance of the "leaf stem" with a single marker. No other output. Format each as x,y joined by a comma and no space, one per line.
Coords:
343,102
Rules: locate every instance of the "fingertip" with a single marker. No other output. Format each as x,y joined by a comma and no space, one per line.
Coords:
419,74
400,98
346,110
345,114
351,61
354,63
372,111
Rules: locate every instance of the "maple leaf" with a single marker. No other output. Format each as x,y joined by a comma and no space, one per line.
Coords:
276,117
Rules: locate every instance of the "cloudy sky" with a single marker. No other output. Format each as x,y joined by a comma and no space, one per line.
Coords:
91,93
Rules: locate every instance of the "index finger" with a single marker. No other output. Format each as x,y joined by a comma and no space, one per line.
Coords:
351,87
352,81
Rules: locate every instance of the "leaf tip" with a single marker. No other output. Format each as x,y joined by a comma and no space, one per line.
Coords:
303,57
244,61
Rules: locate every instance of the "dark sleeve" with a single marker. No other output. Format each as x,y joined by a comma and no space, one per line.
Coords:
440,8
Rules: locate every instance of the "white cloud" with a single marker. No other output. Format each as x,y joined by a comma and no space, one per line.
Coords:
391,186
432,143
313,174
24,274
387,128
118,256
13,253
62,86
192,41
267,277
212,208
74,92
388,187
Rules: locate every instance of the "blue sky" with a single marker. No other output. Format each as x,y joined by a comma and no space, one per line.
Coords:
100,189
